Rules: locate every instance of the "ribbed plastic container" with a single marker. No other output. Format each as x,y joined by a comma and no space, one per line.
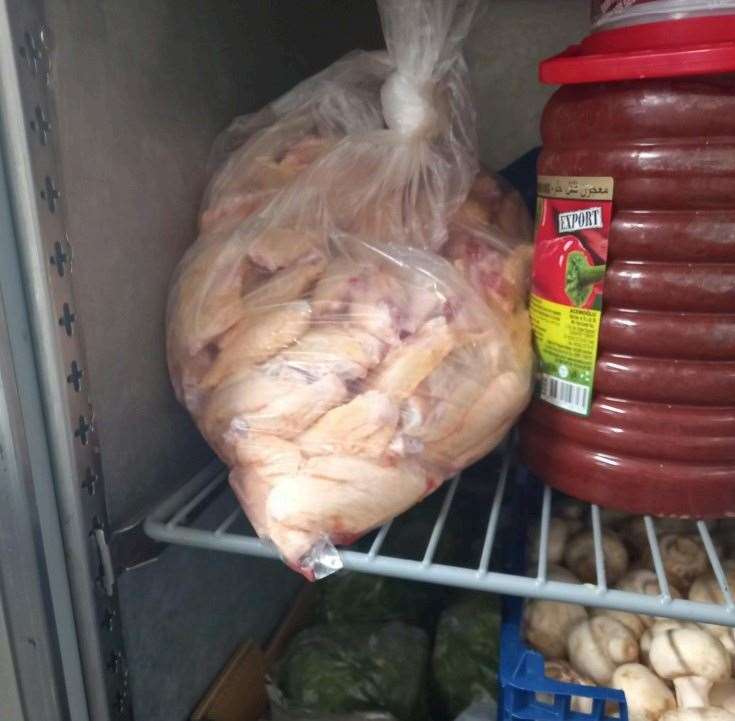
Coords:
608,14
652,107
526,694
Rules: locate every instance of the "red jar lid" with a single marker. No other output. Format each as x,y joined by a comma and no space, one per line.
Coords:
675,48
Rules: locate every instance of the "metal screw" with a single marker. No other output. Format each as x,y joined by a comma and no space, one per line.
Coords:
41,125
59,258
115,663
67,319
75,377
90,481
108,620
50,194
83,430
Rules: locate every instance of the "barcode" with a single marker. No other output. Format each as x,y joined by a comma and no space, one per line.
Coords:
570,396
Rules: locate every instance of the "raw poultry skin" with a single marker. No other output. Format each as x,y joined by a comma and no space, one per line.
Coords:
342,386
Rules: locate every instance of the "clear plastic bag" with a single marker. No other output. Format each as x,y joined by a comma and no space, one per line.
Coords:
339,669
350,327
466,654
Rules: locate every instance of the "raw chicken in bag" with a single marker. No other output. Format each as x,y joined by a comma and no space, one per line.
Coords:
350,328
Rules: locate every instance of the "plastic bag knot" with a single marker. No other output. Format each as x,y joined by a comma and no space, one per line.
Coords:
409,105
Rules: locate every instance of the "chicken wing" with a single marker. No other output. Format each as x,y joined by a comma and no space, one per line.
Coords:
255,402
337,348
338,497
484,424
408,364
256,338
363,427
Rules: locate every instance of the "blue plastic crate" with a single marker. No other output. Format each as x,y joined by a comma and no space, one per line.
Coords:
521,675
522,678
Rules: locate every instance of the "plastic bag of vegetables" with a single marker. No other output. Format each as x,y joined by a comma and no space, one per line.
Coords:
344,668
350,329
362,598
466,652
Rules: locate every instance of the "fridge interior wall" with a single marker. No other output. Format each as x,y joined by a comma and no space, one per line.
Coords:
142,88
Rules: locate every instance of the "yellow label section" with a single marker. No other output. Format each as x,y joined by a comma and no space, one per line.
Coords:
566,343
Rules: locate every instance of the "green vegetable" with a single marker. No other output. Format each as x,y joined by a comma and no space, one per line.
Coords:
580,277
466,652
358,667
359,597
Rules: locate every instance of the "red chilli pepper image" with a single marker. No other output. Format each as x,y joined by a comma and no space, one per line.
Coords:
565,272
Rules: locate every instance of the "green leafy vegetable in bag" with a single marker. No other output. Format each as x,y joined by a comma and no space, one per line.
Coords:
466,652
358,667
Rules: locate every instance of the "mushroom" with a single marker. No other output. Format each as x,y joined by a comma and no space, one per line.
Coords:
610,517
706,589
596,647
558,534
558,670
724,535
642,580
711,713
570,509
692,691
684,559
723,695
633,621
692,659
700,692
660,626
579,556
547,623
648,697
634,531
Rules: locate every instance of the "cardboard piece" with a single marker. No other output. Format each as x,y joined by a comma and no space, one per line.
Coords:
239,691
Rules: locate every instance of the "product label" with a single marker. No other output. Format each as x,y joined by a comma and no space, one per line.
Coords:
570,255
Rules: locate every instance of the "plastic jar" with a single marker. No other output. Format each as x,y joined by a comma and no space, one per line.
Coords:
607,14
653,107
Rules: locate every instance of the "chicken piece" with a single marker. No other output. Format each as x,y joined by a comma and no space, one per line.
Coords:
303,153
259,459
257,338
249,180
513,218
363,427
441,402
231,210
485,423
486,268
408,364
252,489
277,248
206,299
365,295
271,455
285,286
340,498
187,372
293,412
422,304
348,352
255,402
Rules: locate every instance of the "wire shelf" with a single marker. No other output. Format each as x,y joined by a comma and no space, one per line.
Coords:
175,521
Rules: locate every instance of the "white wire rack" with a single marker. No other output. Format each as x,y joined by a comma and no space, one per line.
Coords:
174,521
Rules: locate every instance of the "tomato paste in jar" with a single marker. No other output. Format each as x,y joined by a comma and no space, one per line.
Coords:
650,110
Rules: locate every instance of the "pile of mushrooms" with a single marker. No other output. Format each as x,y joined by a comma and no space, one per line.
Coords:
669,670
